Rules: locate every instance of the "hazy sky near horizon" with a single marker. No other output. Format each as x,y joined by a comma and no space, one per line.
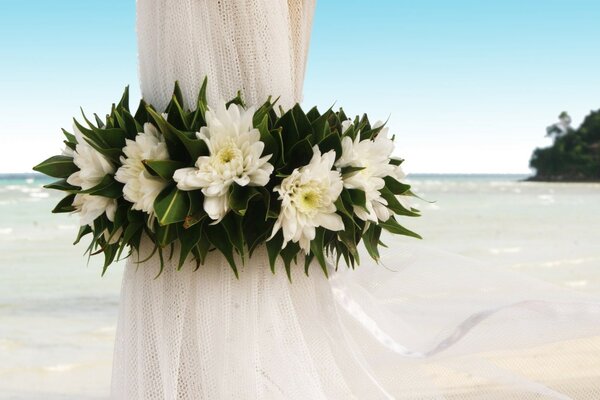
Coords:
468,85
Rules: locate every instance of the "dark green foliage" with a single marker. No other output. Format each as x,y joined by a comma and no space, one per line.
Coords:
181,229
574,156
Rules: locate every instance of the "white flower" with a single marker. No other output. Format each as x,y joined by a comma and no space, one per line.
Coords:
234,156
93,167
307,200
91,207
141,188
373,156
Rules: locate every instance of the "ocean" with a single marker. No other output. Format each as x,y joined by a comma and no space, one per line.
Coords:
58,316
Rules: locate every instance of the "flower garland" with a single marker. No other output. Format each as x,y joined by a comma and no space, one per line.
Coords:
231,178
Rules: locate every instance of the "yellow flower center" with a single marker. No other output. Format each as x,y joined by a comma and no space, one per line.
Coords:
309,199
228,154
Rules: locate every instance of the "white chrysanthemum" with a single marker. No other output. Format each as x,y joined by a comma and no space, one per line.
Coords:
234,156
307,200
373,156
93,167
91,207
141,188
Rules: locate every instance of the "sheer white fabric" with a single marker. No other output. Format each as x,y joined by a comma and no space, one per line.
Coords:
256,46
430,329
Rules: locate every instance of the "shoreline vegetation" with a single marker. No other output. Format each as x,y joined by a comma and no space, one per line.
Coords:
574,155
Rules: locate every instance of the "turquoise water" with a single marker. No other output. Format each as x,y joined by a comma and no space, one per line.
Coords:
58,315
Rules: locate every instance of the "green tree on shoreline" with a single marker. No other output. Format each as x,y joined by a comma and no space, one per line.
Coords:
575,154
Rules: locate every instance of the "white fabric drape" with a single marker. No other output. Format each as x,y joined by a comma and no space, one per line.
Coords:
422,331
256,46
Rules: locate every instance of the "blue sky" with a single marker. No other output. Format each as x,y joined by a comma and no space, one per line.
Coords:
468,85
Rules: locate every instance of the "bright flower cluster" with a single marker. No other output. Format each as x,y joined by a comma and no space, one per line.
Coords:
231,178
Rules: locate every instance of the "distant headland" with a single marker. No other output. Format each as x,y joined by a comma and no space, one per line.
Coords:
575,154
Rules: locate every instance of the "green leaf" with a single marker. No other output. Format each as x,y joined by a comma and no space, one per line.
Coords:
141,115
83,231
107,187
236,100
290,133
199,118
302,123
359,197
320,126
240,197
131,230
349,171
255,227
57,167
273,249
188,238
394,205
70,137
395,186
313,114
289,255
163,168
391,225
114,137
171,205
203,247
233,226
396,161
341,207
172,139
65,205
196,214
110,253
299,155
316,247
124,102
219,238
331,142
176,115
307,262
195,147
271,144
62,185
348,236
165,234
262,112
371,240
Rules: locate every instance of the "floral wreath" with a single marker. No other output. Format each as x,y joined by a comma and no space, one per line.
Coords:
231,178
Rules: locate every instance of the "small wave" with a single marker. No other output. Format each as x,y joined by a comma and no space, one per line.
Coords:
581,283
6,344
546,199
6,231
66,227
39,195
61,367
558,263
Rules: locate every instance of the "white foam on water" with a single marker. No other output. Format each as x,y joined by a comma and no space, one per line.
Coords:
61,367
7,344
578,284
6,231
39,195
546,199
